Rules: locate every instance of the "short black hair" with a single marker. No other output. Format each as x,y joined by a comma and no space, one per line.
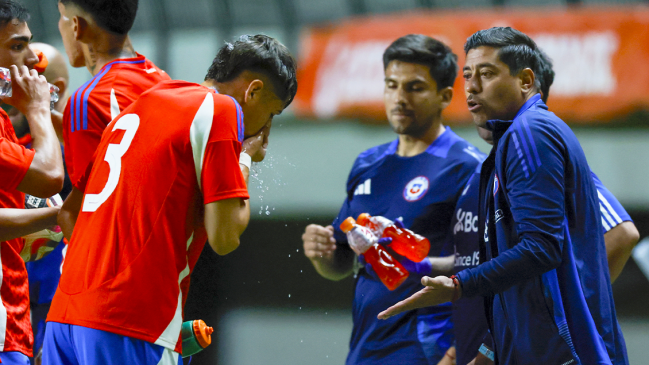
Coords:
115,16
516,49
258,53
546,75
427,51
10,10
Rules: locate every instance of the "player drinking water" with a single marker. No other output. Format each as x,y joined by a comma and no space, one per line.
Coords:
170,173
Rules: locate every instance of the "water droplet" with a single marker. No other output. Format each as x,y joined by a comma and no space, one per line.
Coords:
289,295
289,255
267,213
298,250
300,270
300,308
301,340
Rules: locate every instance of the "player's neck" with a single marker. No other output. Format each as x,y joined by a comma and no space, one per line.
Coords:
107,48
410,146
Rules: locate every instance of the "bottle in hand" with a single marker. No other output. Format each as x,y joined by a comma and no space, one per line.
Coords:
404,241
390,271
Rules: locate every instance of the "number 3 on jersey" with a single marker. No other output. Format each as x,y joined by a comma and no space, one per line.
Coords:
129,123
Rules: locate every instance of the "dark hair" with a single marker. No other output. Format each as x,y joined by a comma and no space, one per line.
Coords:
115,16
424,50
516,49
10,10
259,53
546,75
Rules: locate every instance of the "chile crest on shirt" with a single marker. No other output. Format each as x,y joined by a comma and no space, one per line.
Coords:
416,189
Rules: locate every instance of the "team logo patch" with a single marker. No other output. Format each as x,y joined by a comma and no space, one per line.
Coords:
416,189
496,184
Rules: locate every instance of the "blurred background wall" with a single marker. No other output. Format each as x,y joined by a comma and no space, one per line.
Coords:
266,302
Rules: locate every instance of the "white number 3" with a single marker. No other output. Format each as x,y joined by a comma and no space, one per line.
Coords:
129,123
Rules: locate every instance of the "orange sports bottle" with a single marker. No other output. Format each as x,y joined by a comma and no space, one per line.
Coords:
196,336
389,270
404,241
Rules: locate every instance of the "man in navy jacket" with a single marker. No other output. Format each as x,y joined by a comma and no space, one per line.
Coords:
544,278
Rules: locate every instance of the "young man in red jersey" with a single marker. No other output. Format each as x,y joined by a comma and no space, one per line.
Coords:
170,173
38,172
95,35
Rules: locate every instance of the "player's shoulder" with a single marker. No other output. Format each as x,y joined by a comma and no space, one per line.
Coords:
226,102
539,119
126,72
375,155
454,148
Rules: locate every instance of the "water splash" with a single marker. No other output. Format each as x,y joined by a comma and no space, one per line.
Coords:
264,178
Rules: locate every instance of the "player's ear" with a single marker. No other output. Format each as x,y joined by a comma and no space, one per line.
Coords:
61,83
253,92
446,94
527,78
79,27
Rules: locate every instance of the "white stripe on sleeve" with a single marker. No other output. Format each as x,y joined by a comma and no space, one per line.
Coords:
199,133
606,217
608,206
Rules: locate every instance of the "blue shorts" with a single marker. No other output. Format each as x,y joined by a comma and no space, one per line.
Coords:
14,358
75,345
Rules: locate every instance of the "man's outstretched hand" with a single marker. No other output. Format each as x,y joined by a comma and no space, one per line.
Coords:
437,290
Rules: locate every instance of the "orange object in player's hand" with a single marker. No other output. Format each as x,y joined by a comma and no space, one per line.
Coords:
404,241
390,271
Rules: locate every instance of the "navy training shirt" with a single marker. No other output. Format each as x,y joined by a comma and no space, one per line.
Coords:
423,191
469,320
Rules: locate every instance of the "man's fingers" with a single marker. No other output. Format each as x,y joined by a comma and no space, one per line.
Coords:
428,296
24,71
400,307
427,281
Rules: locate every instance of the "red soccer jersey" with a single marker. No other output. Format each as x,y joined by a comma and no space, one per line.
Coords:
140,230
15,326
100,100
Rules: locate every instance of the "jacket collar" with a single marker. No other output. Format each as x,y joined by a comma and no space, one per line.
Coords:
499,127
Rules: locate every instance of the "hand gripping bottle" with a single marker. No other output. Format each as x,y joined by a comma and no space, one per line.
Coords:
389,270
196,336
404,241
5,87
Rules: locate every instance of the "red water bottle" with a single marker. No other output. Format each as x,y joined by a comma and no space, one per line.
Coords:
389,270
404,241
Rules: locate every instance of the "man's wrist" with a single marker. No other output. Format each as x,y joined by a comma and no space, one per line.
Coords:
37,114
457,291
245,160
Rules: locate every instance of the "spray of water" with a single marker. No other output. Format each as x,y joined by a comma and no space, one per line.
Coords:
264,177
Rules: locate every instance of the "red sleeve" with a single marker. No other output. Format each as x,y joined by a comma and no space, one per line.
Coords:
221,176
14,163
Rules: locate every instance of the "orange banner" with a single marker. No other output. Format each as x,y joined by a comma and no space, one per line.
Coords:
601,58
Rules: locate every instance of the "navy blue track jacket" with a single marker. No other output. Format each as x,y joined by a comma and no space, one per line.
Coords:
546,281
